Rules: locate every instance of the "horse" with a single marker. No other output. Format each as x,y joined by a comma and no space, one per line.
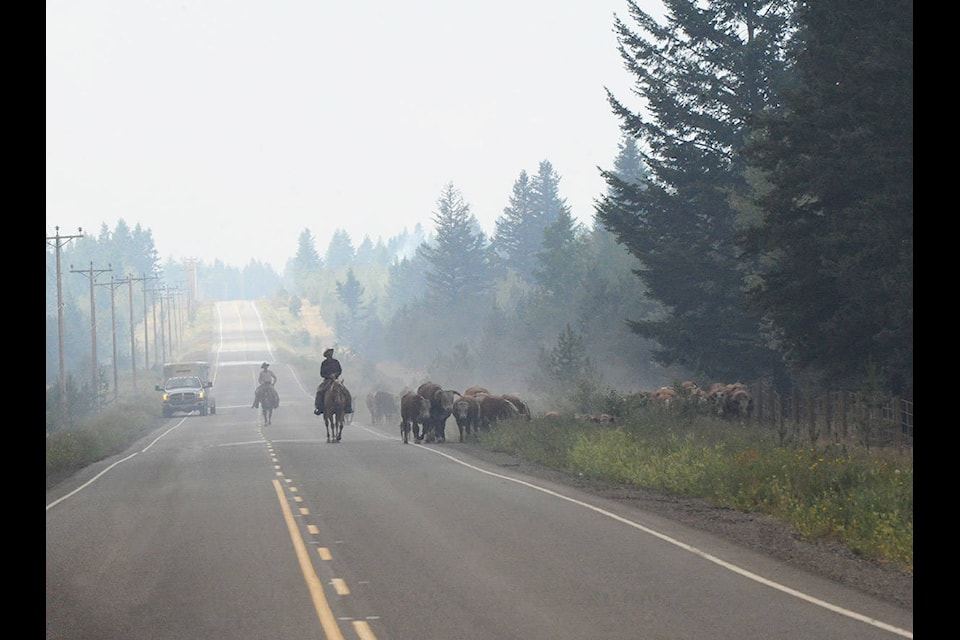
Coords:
269,401
334,404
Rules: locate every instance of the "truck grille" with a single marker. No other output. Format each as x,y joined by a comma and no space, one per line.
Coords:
182,398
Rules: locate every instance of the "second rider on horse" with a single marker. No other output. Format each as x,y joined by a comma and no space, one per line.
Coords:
266,377
330,370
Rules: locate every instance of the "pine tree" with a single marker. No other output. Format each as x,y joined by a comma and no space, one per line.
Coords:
561,260
458,258
834,242
566,365
518,234
547,202
406,282
340,251
534,205
701,77
306,262
349,323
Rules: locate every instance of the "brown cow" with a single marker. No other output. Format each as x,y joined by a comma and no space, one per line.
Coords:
414,411
692,392
665,396
476,391
494,409
441,406
739,402
519,404
466,411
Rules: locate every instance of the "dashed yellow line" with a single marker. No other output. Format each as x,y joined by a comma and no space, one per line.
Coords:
327,620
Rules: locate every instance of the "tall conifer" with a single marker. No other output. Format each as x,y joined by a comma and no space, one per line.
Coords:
699,77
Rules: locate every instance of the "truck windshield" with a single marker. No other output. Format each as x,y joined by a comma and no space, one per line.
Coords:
183,382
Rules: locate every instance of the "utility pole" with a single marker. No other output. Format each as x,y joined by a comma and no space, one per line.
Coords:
158,346
146,335
191,285
59,242
113,284
92,274
177,328
170,312
133,342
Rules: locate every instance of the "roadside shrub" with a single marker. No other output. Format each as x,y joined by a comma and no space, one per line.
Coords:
861,498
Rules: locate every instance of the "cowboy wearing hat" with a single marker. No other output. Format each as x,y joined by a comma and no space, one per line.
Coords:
266,377
330,370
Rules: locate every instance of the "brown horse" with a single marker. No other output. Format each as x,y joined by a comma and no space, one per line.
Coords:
269,400
334,404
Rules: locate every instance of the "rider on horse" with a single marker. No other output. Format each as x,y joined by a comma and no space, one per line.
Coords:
266,377
330,370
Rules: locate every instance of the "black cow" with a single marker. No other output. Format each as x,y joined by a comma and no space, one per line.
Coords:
382,406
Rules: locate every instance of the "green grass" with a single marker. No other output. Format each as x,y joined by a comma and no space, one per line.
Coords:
860,498
99,435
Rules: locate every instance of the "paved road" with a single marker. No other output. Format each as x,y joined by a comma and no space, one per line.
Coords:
221,527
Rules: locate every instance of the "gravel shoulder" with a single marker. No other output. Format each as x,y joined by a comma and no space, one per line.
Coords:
756,532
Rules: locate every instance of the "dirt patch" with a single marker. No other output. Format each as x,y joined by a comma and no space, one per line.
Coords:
398,376
315,325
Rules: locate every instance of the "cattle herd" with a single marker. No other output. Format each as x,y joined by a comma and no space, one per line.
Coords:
725,400
424,413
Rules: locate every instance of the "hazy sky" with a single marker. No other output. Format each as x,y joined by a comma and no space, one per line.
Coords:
229,127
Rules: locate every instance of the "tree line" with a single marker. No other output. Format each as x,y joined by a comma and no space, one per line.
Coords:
757,225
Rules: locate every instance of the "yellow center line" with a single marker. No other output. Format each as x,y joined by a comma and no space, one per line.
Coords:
327,620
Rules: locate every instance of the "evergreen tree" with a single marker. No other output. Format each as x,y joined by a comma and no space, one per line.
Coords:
628,165
561,259
340,251
458,258
306,262
349,323
534,205
547,202
406,283
565,366
259,280
834,241
701,77
518,233
144,257
370,254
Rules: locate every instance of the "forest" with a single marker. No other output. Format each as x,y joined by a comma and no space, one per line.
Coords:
757,225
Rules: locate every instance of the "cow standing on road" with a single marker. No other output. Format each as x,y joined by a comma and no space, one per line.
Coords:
414,411
466,412
441,407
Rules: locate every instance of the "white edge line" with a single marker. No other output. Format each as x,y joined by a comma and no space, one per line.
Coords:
694,550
